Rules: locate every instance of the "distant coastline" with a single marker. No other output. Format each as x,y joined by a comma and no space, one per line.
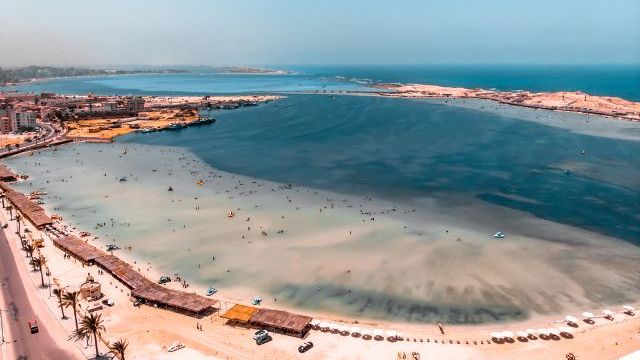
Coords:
13,76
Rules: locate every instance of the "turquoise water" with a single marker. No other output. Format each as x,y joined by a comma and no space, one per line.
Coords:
414,189
406,150
613,80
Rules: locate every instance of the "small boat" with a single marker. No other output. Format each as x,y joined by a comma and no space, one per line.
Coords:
40,202
211,290
499,235
175,346
170,188
39,192
176,126
148,130
256,300
567,172
230,214
123,179
200,182
203,121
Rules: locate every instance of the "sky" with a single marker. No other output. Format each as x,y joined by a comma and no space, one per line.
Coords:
264,32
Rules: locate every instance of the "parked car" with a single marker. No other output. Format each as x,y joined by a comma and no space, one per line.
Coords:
164,279
260,333
33,326
305,347
264,339
108,302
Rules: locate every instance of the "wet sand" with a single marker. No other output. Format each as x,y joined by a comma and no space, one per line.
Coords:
355,257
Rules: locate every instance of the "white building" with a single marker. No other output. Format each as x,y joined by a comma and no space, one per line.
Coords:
22,119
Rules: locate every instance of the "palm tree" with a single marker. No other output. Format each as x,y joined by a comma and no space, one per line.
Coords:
119,347
90,325
40,262
18,218
30,249
70,299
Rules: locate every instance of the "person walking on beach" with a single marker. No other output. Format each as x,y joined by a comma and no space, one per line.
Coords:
441,327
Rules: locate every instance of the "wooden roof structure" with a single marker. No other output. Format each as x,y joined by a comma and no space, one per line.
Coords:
140,286
30,210
6,174
79,248
281,320
240,313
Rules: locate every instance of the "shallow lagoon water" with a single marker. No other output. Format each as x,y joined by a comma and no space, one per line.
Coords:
389,212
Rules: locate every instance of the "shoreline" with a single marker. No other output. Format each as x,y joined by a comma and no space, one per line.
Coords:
463,340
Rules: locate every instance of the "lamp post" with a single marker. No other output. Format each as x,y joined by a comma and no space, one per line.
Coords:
2,325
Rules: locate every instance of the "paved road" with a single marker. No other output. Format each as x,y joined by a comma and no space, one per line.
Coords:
50,135
31,346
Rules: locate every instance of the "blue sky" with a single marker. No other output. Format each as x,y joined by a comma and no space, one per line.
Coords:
192,32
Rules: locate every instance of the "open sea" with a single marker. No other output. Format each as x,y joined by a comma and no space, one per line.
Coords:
370,207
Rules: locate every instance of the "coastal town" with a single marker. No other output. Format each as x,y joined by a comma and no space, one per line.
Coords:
101,118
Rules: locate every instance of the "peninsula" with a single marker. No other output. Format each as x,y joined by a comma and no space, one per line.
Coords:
571,101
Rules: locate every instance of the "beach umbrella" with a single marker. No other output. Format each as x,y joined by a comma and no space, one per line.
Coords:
629,308
315,322
496,334
607,312
507,334
543,331
571,319
565,330
390,333
532,332
522,334
587,315
399,335
323,325
355,330
366,332
554,331
377,332
343,328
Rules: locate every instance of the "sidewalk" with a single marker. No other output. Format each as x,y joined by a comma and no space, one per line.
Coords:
45,306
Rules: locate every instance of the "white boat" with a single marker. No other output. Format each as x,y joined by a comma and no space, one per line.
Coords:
256,300
175,346
499,235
